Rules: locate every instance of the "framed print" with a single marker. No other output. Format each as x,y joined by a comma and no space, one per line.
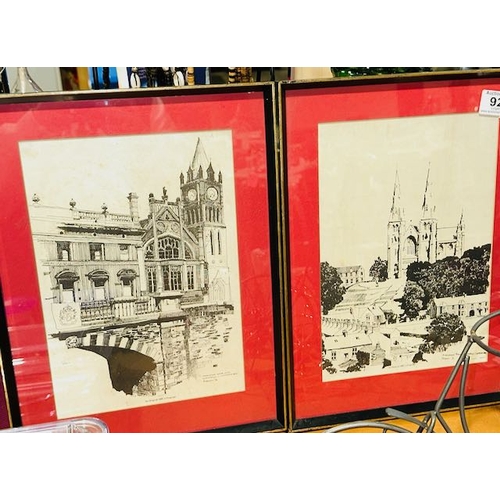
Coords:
392,224
138,259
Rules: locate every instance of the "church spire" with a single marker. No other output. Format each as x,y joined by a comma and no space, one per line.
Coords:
460,236
200,159
396,211
427,205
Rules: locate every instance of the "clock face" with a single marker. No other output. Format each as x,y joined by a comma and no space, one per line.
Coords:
191,194
212,193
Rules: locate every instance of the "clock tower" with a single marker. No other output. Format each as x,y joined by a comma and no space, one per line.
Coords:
203,214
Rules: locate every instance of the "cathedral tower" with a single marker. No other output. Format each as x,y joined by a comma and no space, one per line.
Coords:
394,231
409,242
460,237
427,247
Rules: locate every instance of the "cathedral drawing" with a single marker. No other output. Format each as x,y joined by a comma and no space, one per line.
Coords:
422,240
423,213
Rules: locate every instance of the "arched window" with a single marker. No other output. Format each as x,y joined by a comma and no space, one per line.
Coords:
168,248
411,246
66,281
99,279
127,277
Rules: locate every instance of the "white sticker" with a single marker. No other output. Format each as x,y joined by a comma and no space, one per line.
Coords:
490,103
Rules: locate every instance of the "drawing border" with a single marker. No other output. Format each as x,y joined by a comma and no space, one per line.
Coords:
248,110
303,105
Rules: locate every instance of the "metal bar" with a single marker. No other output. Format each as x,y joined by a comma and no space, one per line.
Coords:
461,394
367,424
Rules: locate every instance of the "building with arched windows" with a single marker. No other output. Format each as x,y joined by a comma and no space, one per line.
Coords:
463,306
185,247
98,267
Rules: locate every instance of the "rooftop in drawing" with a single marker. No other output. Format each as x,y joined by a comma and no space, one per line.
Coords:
52,217
349,269
347,341
482,297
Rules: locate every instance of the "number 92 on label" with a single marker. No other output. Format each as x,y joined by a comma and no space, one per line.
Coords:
490,103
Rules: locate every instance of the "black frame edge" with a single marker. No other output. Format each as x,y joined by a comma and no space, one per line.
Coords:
7,375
